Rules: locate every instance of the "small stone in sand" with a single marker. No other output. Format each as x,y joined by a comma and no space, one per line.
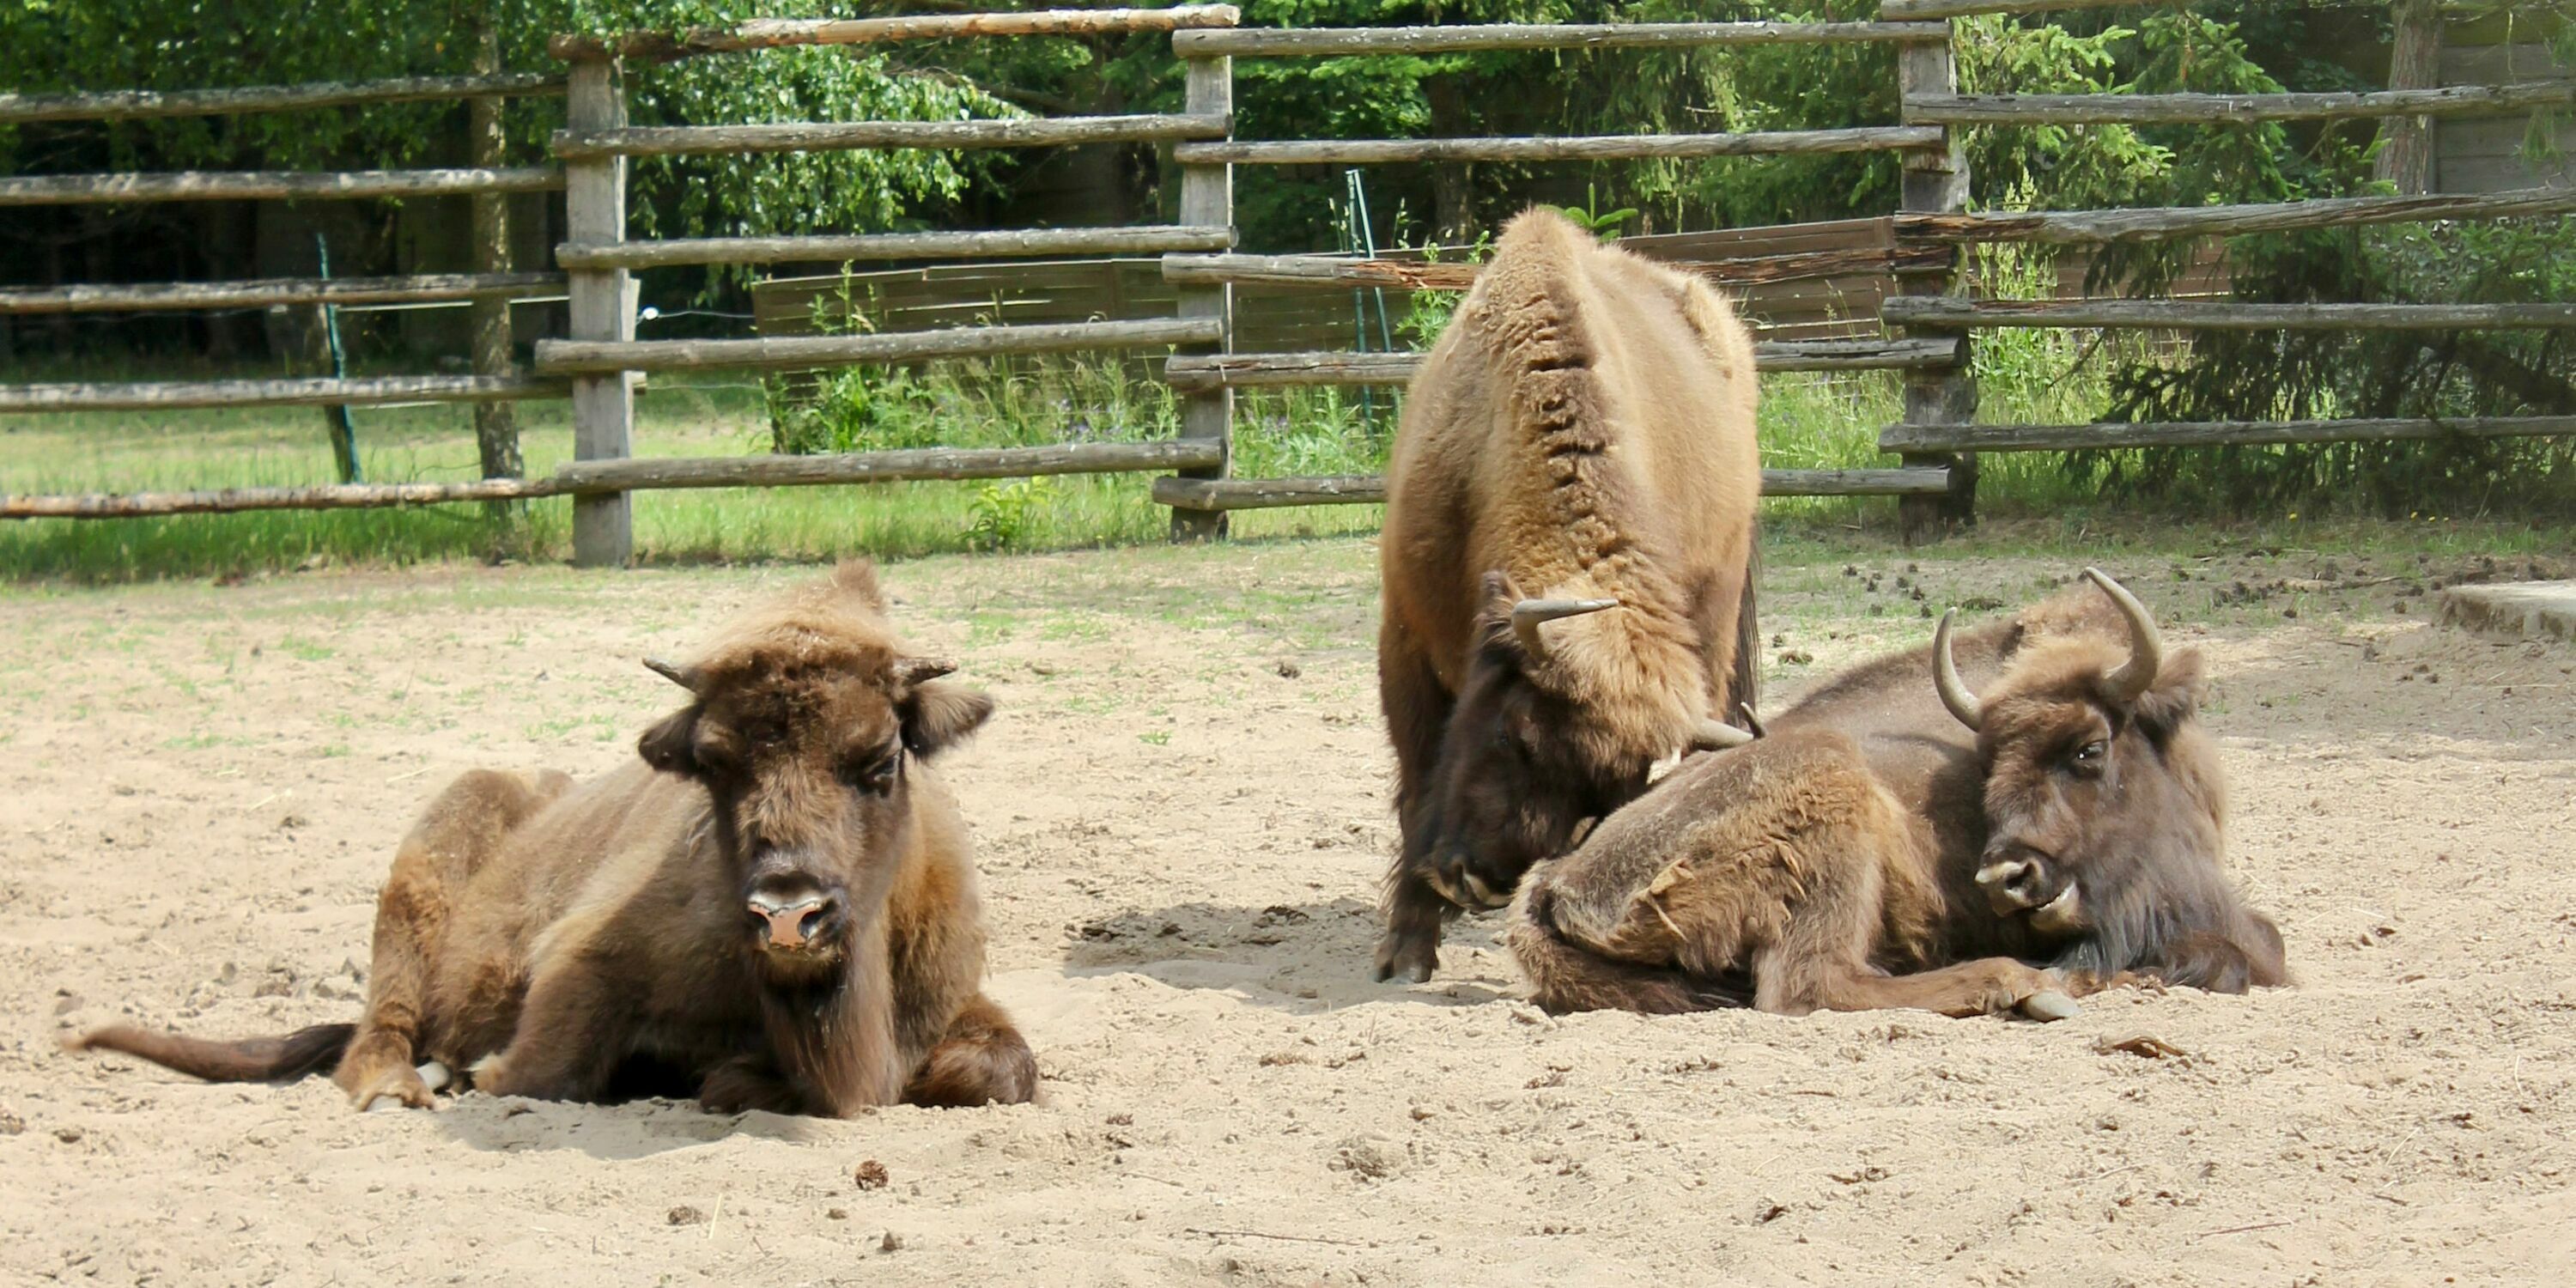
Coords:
686,1215
871,1175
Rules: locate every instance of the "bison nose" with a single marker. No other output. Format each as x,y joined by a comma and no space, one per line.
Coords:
2011,884
793,921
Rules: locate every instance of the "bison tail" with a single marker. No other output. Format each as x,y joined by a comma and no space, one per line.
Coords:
1565,976
302,1053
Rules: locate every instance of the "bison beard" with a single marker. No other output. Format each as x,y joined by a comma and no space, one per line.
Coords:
775,906
1566,564
1866,855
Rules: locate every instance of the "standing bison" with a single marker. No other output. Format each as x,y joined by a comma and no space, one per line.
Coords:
1568,532
1878,850
774,907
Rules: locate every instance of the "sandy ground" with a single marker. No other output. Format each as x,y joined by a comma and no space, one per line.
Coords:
1182,815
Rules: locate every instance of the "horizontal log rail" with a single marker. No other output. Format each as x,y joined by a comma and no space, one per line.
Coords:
1417,275
261,292
901,465
1338,42
1146,239
1941,311
2213,109
258,185
1930,10
1030,132
1602,147
1370,489
579,478
316,392
1191,373
344,496
2097,227
139,104
781,33
2207,433
781,353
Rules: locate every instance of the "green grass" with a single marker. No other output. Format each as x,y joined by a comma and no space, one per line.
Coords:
2028,502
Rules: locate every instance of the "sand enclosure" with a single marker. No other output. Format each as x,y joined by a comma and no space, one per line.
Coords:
1182,816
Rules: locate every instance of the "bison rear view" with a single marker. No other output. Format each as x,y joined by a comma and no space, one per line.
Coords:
773,907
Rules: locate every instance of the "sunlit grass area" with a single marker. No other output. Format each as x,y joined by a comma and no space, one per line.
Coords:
1815,420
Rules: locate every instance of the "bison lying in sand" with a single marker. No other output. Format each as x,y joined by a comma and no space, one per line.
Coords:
1877,850
774,908
1568,531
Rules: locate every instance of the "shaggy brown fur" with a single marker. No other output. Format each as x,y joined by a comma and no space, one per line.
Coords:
776,903
1837,863
1583,430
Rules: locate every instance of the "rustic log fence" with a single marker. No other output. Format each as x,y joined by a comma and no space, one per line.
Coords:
1232,370
1928,322
1934,427
493,281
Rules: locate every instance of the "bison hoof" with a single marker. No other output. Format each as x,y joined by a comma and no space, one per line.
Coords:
1411,955
398,1089
2050,1004
1467,890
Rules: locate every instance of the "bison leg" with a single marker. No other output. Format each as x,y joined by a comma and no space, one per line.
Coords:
748,1082
576,1027
1417,713
455,836
1568,976
982,1060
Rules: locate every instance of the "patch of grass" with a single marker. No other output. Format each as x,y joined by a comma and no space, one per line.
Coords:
2029,503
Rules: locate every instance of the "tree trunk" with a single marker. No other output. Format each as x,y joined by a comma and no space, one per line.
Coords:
2406,142
1453,209
496,424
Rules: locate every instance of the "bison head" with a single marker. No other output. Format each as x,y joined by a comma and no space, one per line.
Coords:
806,752
2104,808
1522,765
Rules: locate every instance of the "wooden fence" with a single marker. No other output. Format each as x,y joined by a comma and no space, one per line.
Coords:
1193,308
492,285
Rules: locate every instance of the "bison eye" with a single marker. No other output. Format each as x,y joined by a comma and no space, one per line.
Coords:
873,772
2088,758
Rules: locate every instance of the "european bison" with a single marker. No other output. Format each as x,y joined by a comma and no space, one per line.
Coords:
1569,526
1877,850
775,907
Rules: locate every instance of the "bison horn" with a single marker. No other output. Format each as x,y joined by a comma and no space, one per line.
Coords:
1751,721
1529,613
2146,643
1715,735
686,677
909,671
1945,677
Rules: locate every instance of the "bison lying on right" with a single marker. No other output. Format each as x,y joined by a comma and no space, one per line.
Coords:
1869,853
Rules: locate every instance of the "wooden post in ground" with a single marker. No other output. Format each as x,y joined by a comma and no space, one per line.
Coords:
1207,199
1936,181
496,424
603,308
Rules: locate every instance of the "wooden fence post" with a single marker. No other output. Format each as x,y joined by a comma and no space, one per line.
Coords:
1207,199
496,424
603,308
1936,182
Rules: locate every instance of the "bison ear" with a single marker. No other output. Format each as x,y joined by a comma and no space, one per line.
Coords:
2175,697
937,716
670,745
